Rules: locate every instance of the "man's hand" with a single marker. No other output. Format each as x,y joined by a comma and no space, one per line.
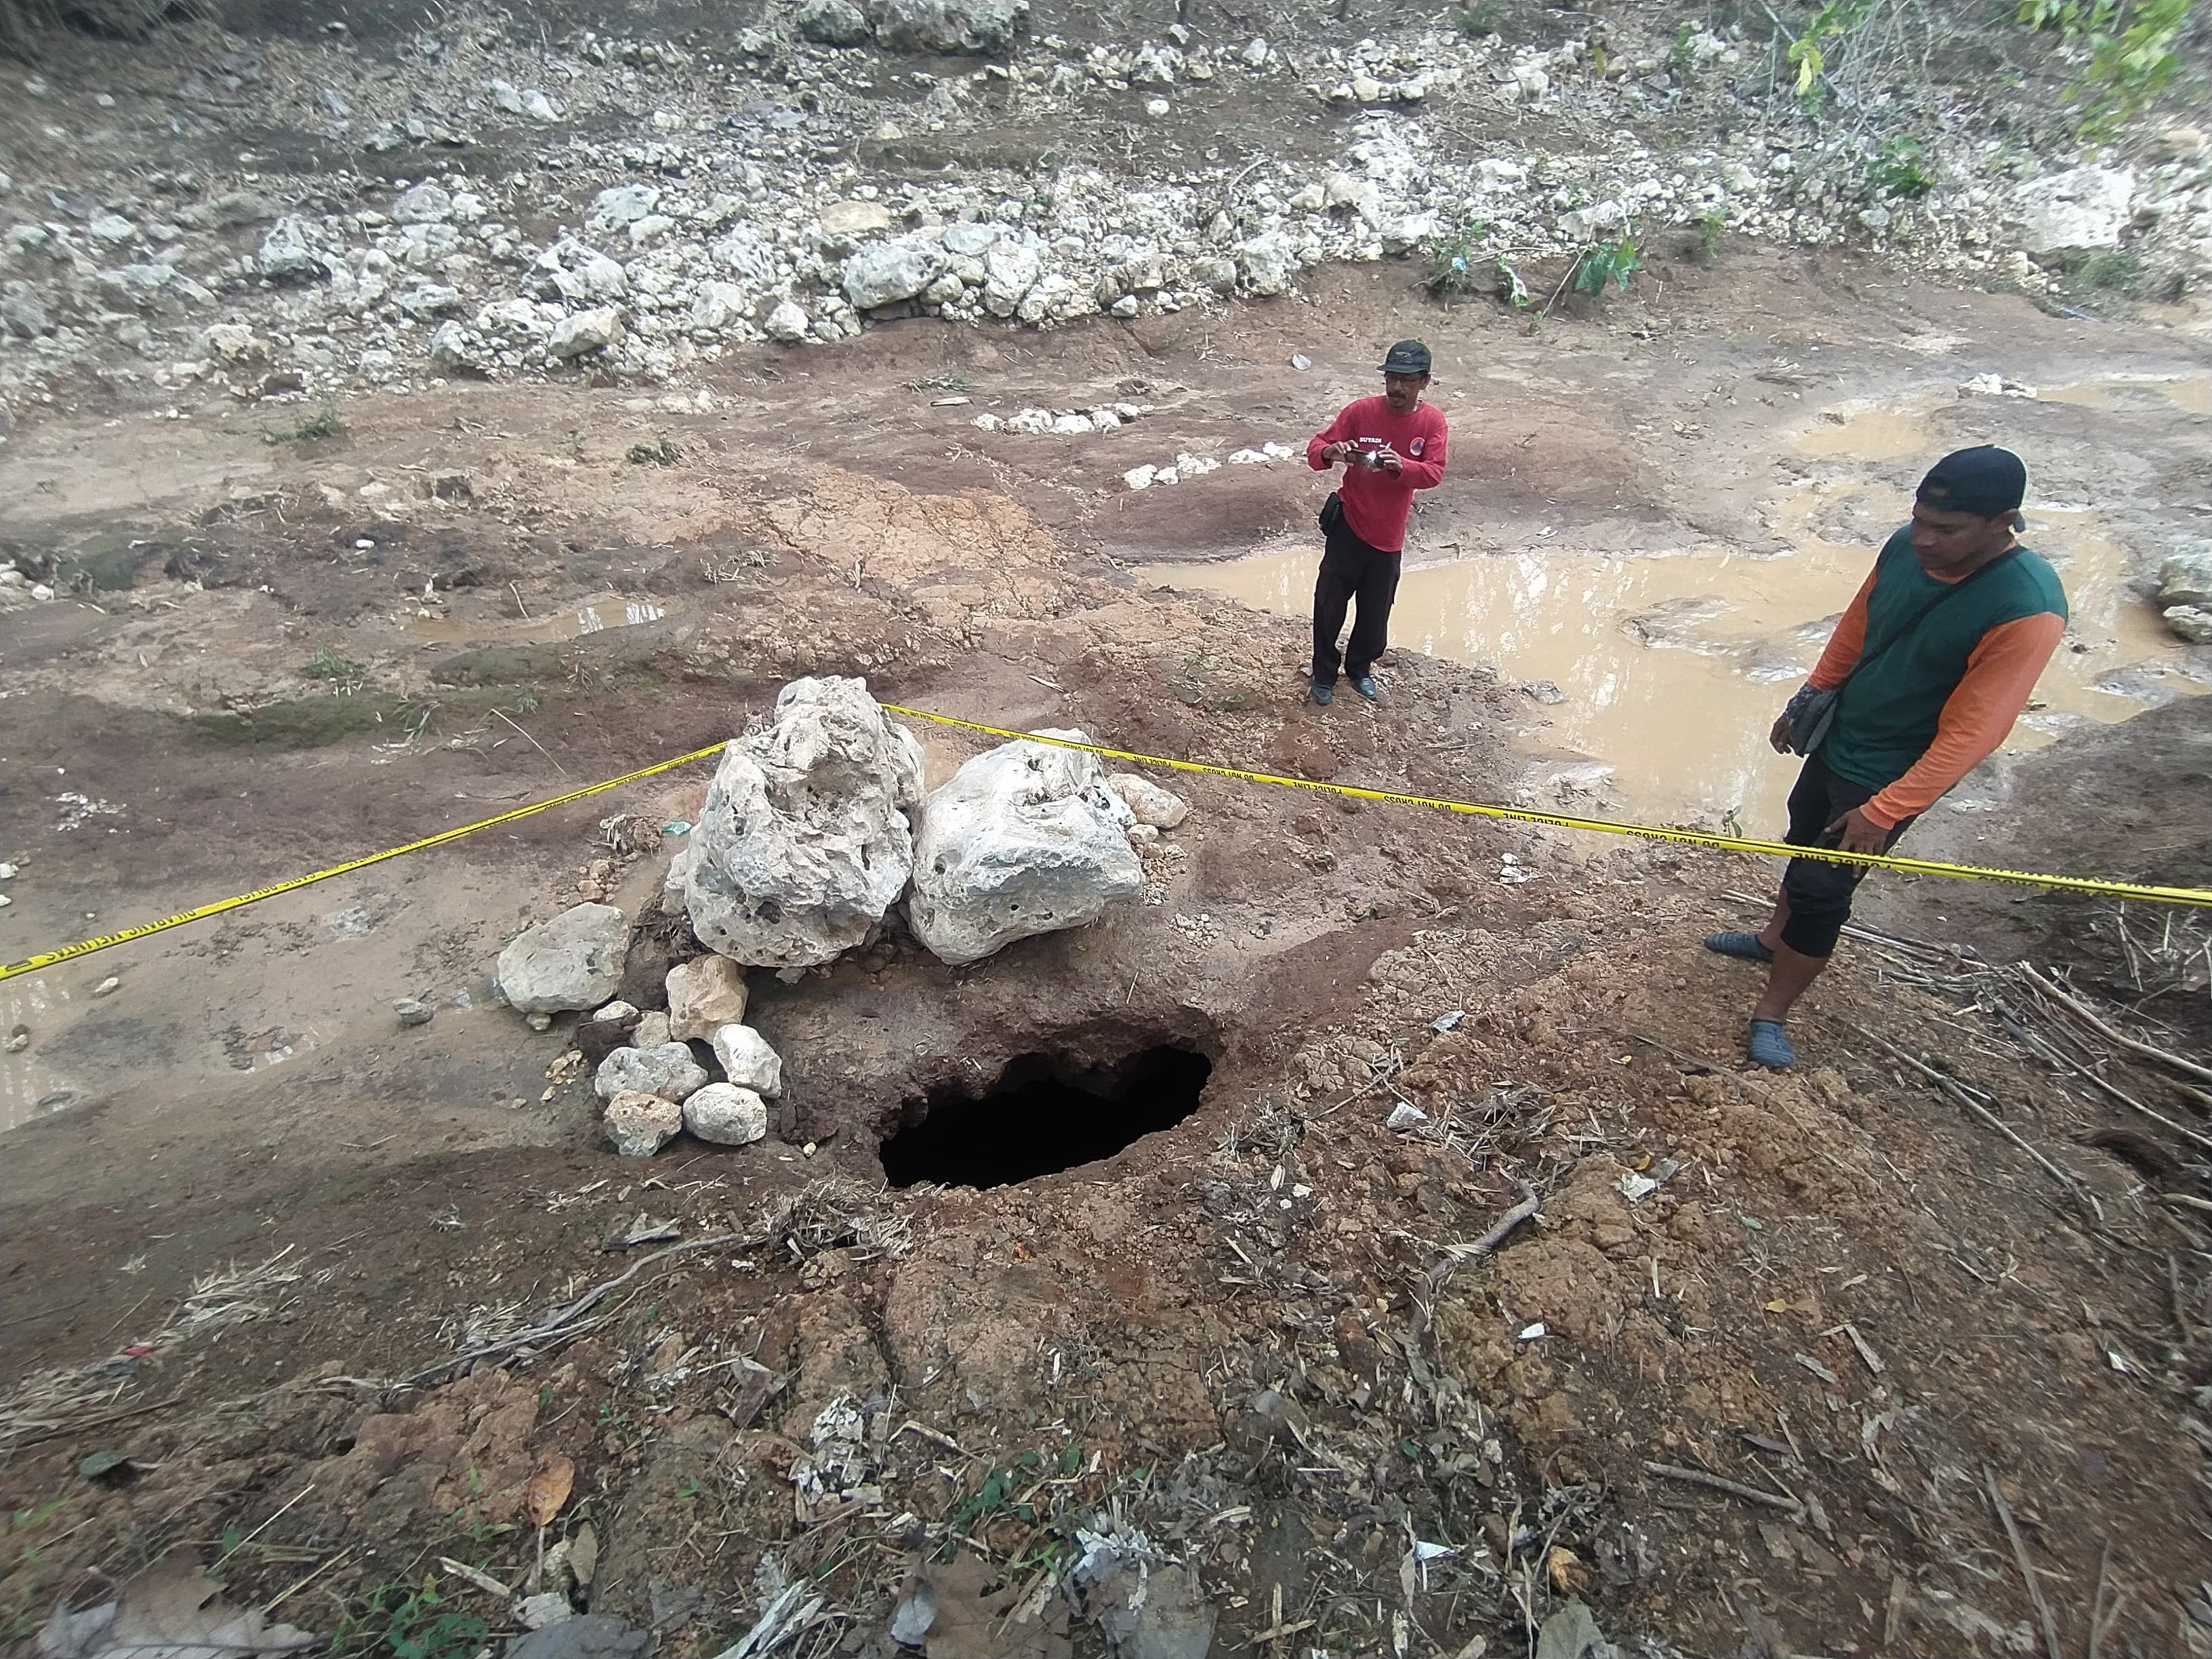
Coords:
1389,460
1332,453
1779,737
1860,834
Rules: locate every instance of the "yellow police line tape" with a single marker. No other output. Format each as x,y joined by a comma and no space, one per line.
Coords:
2189,895
85,947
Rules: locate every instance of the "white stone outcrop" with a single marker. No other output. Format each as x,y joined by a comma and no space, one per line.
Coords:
575,961
1024,839
2081,208
804,840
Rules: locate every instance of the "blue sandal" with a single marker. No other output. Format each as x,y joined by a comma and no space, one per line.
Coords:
1769,1045
1744,947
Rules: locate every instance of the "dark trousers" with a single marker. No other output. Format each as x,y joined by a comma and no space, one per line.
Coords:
1350,569
1819,892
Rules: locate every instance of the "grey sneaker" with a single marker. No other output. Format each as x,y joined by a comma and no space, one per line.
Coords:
1323,693
1366,686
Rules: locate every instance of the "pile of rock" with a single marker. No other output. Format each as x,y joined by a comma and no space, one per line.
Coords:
1065,422
680,228
817,826
816,830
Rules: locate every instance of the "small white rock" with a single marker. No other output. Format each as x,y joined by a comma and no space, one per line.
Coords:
107,987
651,1030
668,1071
536,1612
726,1115
748,1062
638,1125
1163,809
705,994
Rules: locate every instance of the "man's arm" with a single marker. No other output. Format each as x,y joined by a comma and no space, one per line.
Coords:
1842,654
1335,432
1427,472
1977,717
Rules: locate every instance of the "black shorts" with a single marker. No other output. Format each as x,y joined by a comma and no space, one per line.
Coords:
1819,891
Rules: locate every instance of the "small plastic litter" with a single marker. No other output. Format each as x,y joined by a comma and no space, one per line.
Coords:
1636,1188
676,827
1533,1333
1443,1022
1300,361
1405,1115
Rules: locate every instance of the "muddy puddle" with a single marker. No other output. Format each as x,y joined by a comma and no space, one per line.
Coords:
1653,679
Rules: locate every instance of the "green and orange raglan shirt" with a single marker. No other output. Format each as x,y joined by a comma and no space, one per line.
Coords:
1931,708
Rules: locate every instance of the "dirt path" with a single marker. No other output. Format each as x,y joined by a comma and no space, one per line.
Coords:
1846,1290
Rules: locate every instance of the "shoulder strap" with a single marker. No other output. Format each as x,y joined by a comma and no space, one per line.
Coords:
1899,634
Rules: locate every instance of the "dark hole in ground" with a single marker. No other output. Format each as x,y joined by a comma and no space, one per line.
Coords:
1041,1118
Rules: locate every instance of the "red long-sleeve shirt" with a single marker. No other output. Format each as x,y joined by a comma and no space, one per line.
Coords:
1375,501
1978,715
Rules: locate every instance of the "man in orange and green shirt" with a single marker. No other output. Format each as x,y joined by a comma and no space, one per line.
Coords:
1931,665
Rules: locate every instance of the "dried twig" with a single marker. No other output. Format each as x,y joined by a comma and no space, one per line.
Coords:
560,1322
1720,1483
1957,1091
534,744
2020,1555
2174,1062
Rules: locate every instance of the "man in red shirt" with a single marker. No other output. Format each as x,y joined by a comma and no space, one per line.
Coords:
1389,446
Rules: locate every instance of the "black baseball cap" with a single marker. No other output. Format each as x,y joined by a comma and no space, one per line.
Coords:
1986,481
1406,357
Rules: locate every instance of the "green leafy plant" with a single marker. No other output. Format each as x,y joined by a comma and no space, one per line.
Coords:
2128,70
2107,270
1683,56
1477,19
1456,261
418,1625
2072,19
1896,169
1832,25
1610,262
1710,224
342,673
663,453
1509,285
994,1498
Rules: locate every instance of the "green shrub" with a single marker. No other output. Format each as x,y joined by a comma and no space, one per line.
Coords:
1896,169
1610,262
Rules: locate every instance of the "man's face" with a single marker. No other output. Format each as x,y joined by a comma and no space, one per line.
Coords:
1945,543
1404,392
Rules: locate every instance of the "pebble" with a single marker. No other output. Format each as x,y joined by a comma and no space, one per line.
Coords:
412,1011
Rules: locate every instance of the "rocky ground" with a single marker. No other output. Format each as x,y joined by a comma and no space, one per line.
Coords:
355,197
1906,1354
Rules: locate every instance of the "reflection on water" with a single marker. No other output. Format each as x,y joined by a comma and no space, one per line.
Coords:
2191,393
1672,667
